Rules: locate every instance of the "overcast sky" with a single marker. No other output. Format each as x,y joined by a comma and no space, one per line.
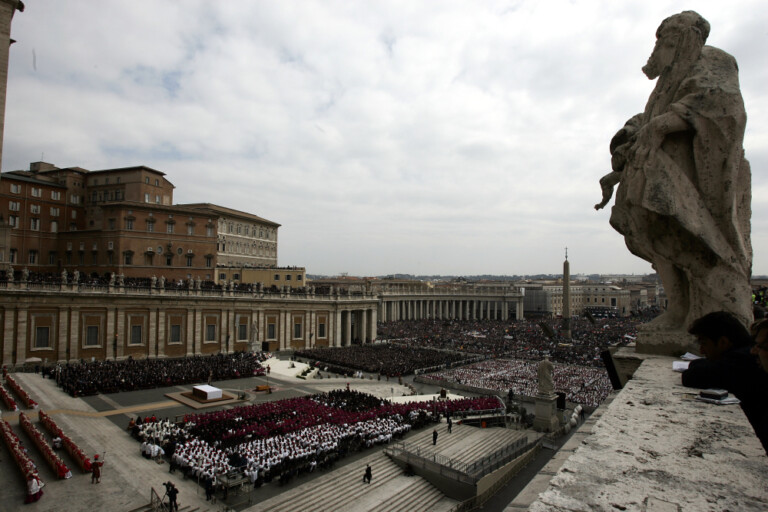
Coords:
424,137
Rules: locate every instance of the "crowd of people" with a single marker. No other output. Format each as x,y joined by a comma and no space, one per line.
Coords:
385,359
523,339
283,438
585,385
90,378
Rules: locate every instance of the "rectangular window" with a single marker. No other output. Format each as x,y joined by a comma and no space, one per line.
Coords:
321,329
169,228
54,212
169,260
189,260
129,224
14,206
128,259
55,195
190,229
15,188
146,197
136,332
51,258
277,277
111,223
42,337
271,332
150,226
209,231
32,257
222,277
34,208
175,334
13,221
210,332
208,261
297,329
34,224
13,255
242,332
74,214
92,336
36,192
288,277
75,199
54,226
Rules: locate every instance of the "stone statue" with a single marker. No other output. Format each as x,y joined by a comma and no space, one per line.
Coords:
76,277
64,276
153,280
25,274
683,200
546,381
112,279
162,282
121,280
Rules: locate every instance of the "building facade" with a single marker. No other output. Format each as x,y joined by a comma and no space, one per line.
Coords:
123,221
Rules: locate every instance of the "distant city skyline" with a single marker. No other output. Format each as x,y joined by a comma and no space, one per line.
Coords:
453,138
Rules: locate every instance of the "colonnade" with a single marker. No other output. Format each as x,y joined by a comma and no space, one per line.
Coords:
454,308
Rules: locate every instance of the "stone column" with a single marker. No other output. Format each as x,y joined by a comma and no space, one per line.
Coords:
157,328
63,335
374,321
284,322
194,331
364,325
116,325
231,329
9,337
337,327
75,342
22,325
348,328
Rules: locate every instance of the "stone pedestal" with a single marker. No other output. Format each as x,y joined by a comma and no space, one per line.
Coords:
546,413
665,342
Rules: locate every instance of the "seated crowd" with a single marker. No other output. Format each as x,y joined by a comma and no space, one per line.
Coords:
281,439
524,339
584,385
89,378
385,359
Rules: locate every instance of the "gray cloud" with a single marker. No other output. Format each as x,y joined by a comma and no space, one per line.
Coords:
458,137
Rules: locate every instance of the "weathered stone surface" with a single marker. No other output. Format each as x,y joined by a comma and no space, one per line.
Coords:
654,447
683,201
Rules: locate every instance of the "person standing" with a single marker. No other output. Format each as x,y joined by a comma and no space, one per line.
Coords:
450,424
368,474
434,437
96,469
173,493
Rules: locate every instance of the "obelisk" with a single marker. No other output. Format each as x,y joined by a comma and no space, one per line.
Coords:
565,330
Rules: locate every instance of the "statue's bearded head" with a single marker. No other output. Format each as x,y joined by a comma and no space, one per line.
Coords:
681,35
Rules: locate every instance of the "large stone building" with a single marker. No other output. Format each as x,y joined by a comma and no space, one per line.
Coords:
123,221
546,299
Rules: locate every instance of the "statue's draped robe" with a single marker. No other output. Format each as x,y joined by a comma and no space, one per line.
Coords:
686,206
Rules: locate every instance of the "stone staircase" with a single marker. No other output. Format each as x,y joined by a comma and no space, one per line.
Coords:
344,490
466,444
390,490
